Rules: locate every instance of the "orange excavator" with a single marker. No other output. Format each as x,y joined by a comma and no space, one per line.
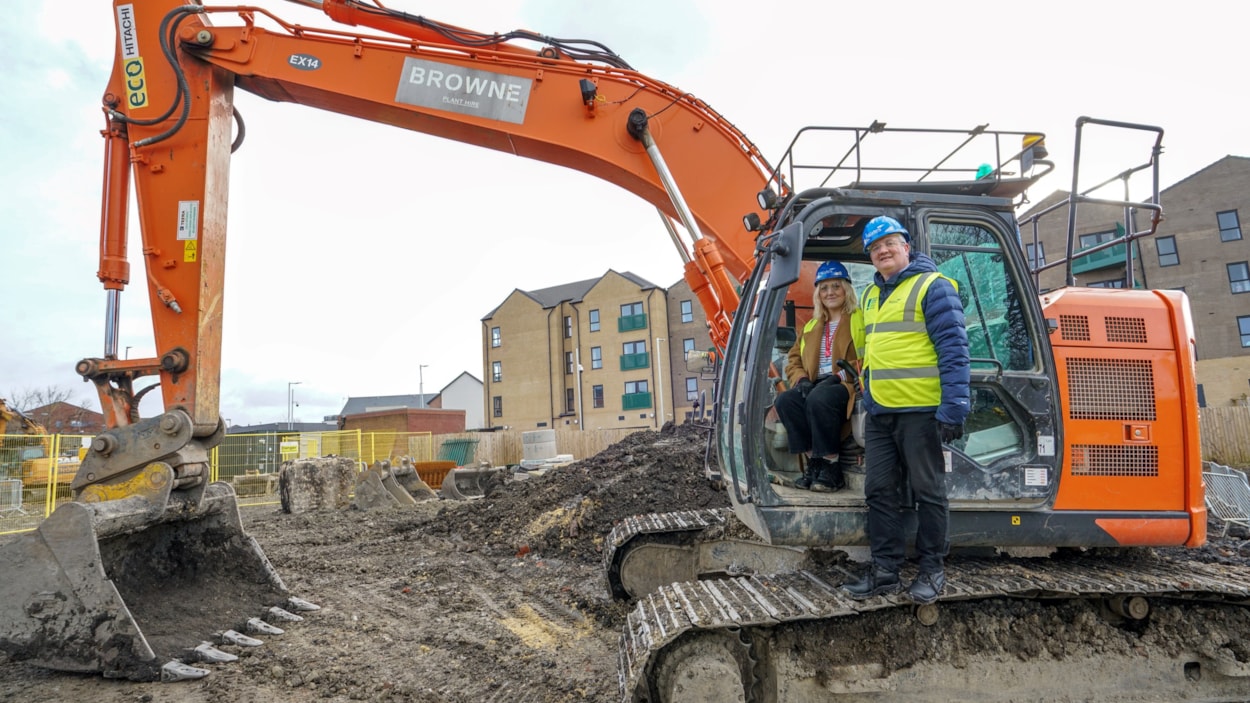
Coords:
1083,433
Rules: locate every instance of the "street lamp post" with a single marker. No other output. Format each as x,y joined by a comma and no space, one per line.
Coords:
421,384
659,382
128,352
290,404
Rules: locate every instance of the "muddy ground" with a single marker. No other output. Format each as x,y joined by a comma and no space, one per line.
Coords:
498,599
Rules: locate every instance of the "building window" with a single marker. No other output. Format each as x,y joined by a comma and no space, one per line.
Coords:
687,311
568,326
1243,326
1239,277
632,318
1036,254
1167,251
568,362
634,348
635,386
496,338
568,400
497,402
1230,225
594,320
1089,240
596,357
692,388
1113,283
496,371
687,346
596,396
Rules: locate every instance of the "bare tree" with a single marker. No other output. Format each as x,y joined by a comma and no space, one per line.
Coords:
28,399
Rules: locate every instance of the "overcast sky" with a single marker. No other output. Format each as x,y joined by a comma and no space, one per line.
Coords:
333,220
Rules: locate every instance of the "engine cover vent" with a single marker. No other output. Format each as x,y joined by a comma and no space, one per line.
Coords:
1074,328
1130,330
1114,460
1111,389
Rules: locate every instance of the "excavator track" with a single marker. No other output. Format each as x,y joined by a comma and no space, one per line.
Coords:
653,524
718,620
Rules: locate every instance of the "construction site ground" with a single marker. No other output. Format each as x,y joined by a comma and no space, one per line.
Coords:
497,599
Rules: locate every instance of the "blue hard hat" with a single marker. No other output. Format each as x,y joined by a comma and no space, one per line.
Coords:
883,226
831,269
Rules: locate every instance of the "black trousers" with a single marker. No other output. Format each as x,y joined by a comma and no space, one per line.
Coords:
815,423
895,445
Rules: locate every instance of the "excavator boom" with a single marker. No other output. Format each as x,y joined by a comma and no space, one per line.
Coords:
147,536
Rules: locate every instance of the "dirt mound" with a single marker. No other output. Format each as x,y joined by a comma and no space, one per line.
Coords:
568,511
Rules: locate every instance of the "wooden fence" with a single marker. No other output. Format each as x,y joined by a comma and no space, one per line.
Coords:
1225,434
503,448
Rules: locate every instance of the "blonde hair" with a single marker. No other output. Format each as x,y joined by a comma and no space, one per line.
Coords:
849,302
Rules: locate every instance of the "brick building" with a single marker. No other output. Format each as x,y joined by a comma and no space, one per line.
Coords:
603,353
1199,248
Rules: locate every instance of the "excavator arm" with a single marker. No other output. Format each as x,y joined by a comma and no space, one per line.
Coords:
150,558
172,120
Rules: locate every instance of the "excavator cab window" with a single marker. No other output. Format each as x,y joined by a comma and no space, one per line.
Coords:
980,254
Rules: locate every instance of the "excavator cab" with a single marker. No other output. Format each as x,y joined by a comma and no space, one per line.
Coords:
1012,389
1034,357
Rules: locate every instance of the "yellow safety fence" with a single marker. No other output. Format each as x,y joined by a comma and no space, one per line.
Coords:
30,464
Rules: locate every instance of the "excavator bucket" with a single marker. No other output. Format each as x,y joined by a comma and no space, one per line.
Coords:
465,482
132,590
379,486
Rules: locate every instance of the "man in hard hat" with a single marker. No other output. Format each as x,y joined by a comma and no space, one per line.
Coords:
915,381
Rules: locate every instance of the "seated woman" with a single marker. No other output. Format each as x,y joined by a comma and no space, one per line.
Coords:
818,403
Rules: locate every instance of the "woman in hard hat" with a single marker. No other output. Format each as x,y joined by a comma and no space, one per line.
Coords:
818,403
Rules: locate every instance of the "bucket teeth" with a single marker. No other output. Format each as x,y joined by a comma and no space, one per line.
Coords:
280,615
177,671
206,652
232,637
300,605
258,626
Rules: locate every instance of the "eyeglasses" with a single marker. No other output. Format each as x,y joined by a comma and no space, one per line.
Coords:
892,243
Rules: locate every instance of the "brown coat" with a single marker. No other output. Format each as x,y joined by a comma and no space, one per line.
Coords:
804,359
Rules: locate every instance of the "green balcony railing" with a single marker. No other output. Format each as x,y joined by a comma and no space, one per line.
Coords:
635,401
629,362
1099,260
629,323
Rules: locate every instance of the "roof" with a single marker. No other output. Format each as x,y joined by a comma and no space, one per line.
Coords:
377,403
572,292
473,378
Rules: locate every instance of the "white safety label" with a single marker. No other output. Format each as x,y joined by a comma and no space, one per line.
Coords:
188,219
1035,476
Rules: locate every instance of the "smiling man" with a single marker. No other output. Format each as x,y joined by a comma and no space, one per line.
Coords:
915,380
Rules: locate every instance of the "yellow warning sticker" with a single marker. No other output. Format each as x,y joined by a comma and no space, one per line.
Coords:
189,251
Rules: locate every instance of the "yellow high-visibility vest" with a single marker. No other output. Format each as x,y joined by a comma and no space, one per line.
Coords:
901,360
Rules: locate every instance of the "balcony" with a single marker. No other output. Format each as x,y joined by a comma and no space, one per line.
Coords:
635,401
629,362
1106,258
629,323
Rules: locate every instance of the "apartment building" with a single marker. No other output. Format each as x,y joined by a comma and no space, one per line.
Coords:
1199,248
607,352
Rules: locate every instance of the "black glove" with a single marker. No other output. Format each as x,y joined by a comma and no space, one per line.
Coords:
949,432
804,386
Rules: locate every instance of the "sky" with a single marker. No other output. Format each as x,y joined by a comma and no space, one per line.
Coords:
361,258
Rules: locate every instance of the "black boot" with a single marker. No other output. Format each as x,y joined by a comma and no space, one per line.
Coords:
830,478
875,582
810,472
927,587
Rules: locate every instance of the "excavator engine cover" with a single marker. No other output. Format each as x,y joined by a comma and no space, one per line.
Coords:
109,587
